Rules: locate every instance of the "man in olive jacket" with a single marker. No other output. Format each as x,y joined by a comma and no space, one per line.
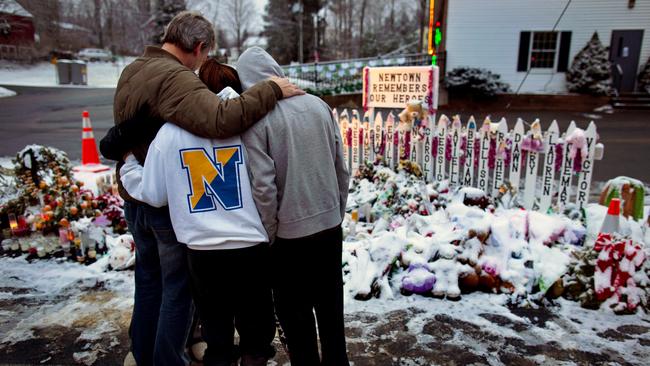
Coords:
157,87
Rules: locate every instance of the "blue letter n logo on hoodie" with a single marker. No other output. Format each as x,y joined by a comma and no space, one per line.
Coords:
213,178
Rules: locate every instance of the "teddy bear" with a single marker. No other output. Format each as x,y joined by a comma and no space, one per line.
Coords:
447,271
121,252
414,115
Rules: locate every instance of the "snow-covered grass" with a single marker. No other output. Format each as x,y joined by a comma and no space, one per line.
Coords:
100,74
48,294
4,92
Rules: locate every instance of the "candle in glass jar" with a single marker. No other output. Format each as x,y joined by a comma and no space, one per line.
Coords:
13,224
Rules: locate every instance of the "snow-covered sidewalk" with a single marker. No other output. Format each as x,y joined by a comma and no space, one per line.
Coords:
4,92
66,313
100,74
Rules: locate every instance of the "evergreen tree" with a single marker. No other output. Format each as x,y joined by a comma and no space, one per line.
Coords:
166,10
644,78
590,72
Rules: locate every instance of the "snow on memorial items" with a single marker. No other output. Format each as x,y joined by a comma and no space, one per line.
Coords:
619,259
630,191
431,241
49,201
613,273
121,252
413,121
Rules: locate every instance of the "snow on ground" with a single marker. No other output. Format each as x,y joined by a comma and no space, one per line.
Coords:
100,74
4,92
64,313
83,307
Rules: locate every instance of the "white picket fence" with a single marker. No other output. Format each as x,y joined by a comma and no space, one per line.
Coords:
374,137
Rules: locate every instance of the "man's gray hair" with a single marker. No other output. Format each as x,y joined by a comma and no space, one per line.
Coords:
188,29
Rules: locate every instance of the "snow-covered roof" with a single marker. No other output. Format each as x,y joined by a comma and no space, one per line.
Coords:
12,7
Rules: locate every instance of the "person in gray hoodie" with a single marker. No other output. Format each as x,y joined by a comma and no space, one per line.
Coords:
300,186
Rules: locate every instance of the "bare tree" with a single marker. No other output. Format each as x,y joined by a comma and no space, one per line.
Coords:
239,15
362,21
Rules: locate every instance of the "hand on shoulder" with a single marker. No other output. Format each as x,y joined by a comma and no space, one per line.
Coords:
289,89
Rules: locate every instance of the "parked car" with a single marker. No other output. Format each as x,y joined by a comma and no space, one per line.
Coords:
95,54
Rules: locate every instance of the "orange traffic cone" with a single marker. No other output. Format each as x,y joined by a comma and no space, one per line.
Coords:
611,224
89,155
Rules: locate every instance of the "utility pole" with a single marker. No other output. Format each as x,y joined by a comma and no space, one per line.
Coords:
300,16
316,24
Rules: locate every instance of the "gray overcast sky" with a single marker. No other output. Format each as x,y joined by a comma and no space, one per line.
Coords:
260,9
203,5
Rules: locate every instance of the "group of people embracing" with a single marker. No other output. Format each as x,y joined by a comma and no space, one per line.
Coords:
235,189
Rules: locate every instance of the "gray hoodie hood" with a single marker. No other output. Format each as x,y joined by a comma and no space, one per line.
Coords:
255,65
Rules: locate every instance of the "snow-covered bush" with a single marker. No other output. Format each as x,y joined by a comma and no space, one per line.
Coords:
474,82
590,72
644,77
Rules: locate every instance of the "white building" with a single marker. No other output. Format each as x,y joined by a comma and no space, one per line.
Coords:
510,37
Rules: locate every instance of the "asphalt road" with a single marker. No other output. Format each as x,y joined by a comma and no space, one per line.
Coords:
52,116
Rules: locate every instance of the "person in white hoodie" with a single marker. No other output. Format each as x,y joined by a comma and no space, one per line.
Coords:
206,185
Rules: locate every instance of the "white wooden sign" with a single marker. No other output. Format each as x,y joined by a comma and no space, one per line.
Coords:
356,151
499,163
484,150
394,87
344,122
378,137
468,173
516,138
454,164
441,135
427,150
390,141
584,179
566,170
532,161
367,154
548,171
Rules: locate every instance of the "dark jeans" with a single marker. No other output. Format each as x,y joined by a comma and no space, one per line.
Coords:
162,309
308,277
232,289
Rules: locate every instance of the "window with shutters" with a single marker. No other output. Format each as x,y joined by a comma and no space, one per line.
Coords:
543,50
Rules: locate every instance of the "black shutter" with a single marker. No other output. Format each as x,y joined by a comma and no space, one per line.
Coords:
524,46
563,56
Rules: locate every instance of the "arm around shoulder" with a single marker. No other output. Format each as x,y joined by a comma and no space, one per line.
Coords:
185,101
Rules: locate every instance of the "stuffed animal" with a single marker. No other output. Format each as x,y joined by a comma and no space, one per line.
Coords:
578,142
121,251
534,140
414,115
447,270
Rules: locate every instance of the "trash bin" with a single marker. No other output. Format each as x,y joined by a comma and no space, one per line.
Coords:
79,73
63,71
